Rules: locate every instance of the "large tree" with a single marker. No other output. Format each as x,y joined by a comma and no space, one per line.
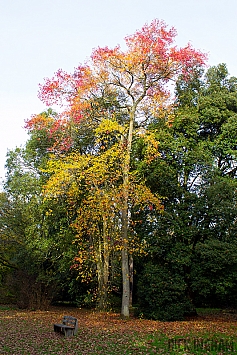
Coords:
196,174
128,87
31,229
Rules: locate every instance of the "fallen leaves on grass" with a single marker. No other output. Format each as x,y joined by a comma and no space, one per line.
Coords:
31,332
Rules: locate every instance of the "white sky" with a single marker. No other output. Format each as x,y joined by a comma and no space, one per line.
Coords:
37,37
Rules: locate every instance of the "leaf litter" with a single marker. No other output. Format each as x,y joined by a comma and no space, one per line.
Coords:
31,332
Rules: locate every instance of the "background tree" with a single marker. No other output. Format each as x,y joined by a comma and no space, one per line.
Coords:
32,229
198,155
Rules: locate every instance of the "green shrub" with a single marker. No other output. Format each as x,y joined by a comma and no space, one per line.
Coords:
161,294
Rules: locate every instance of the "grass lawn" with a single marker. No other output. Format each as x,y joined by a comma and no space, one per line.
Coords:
31,332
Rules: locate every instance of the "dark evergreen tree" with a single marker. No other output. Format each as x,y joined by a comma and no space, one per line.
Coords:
195,238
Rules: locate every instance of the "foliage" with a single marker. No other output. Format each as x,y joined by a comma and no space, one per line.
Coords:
213,273
196,174
31,232
114,95
162,294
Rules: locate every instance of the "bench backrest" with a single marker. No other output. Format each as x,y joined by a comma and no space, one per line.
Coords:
70,321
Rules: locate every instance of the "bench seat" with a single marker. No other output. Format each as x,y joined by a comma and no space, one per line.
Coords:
68,327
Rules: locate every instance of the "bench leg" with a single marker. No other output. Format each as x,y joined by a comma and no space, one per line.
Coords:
68,332
57,329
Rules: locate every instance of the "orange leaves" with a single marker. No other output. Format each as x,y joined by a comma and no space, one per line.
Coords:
40,122
142,72
149,61
153,39
64,87
106,56
134,80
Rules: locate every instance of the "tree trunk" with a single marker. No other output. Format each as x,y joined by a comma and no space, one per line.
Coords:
105,263
125,267
125,220
103,268
130,279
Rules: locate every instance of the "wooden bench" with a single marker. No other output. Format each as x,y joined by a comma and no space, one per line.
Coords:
68,327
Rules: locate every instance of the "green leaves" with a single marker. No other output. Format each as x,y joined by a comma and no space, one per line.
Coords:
196,174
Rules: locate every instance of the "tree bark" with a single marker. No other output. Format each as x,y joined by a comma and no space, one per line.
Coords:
130,279
125,268
125,220
103,268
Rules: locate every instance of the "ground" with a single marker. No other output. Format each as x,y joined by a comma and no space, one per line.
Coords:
31,332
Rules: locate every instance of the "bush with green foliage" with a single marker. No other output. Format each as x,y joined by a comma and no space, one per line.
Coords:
162,294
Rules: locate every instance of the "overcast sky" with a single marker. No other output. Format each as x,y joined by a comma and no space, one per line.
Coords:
37,37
